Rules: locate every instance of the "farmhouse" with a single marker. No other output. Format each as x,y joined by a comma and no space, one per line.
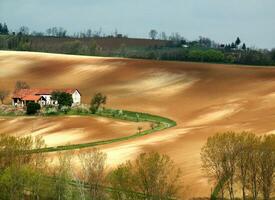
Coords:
42,96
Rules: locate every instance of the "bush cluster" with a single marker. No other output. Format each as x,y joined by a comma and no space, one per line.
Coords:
33,108
80,109
49,110
11,110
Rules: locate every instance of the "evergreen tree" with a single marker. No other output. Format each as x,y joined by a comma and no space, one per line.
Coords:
5,29
1,28
233,45
238,42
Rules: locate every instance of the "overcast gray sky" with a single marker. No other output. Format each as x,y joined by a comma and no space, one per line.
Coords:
221,20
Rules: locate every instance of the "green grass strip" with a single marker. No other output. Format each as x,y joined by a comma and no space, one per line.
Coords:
162,123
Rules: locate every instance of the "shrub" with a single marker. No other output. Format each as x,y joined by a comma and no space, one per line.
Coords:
11,110
32,108
80,109
49,110
65,109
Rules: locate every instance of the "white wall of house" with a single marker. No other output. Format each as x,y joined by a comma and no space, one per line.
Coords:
17,102
49,100
76,98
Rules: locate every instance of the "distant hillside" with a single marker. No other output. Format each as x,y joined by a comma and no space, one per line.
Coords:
178,50
105,43
90,46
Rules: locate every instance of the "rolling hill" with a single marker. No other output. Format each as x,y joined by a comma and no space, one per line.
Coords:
202,98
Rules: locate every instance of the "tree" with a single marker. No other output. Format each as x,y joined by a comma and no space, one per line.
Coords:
5,29
212,160
93,166
49,32
151,176
14,163
139,129
244,47
163,36
1,28
219,158
273,55
24,30
93,48
153,126
157,175
89,33
56,31
243,160
62,175
267,165
97,101
238,41
253,168
21,85
3,95
33,108
205,42
38,169
233,45
63,98
122,179
246,156
176,37
153,34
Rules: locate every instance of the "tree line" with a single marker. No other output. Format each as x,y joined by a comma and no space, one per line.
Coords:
176,47
28,174
241,163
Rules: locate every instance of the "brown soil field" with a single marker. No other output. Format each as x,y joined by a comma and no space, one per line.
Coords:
69,130
202,98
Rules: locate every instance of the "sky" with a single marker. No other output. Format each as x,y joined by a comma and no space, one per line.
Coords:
221,20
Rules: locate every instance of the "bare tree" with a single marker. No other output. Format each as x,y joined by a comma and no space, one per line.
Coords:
163,36
153,126
176,37
3,95
62,176
21,85
24,30
93,166
139,129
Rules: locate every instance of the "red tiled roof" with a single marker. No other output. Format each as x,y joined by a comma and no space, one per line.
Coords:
31,98
39,91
